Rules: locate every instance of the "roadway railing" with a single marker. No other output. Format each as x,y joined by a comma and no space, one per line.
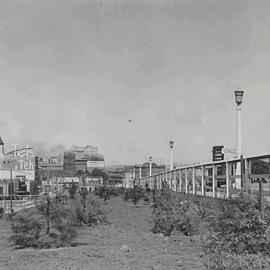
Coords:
18,202
217,178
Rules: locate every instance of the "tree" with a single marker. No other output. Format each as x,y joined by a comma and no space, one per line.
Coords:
44,226
73,190
259,167
83,192
79,173
99,173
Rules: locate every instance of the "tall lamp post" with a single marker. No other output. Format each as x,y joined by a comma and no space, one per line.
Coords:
150,166
150,171
171,155
11,191
239,99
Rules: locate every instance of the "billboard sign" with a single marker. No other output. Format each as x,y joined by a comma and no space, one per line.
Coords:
95,164
218,153
20,161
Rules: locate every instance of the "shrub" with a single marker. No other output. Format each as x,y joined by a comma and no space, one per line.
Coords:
240,227
36,227
73,190
94,214
239,237
221,260
174,213
134,194
87,211
1,212
126,195
109,191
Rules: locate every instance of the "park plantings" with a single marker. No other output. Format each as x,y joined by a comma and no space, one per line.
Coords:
54,223
45,226
239,236
106,192
235,232
134,194
174,213
87,210
73,190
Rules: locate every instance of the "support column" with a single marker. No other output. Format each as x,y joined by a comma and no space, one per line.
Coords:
227,180
163,179
203,180
180,181
175,180
247,175
214,181
186,180
193,180
261,196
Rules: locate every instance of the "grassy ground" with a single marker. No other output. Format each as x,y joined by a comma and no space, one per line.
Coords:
126,243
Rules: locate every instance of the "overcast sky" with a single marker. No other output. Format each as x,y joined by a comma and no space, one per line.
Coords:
75,72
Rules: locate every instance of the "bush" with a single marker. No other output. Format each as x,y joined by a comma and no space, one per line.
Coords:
221,260
134,194
126,195
36,227
1,212
237,233
109,191
87,211
173,213
73,190
239,237
240,227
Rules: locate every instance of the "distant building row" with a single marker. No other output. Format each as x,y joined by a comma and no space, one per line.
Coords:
83,159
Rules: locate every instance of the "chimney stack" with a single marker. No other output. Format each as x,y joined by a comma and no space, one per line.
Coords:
2,152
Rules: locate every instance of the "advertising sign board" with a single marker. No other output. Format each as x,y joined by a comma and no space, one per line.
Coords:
95,164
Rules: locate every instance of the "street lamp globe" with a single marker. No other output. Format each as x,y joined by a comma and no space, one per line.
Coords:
239,97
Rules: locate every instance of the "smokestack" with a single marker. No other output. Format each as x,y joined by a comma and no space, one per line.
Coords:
2,145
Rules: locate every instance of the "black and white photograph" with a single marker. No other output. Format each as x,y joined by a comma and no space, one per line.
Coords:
134,135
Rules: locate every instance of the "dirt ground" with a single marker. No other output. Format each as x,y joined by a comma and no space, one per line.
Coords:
127,243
